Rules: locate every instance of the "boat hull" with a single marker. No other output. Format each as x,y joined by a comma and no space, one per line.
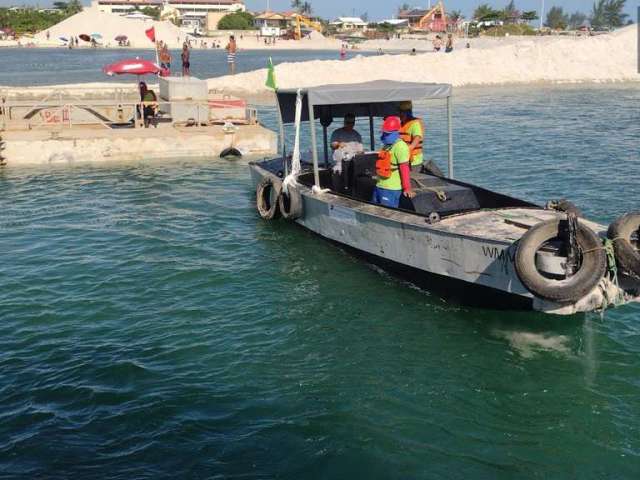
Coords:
428,255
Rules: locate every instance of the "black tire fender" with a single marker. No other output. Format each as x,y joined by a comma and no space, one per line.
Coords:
267,197
291,204
620,231
591,271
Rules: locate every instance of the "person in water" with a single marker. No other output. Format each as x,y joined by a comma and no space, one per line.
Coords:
186,63
412,132
392,167
232,49
437,43
346,134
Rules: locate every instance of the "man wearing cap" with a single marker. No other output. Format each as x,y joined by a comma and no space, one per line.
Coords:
346,134
412,132
392,167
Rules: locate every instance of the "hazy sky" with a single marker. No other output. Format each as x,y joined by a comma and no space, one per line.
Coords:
380,9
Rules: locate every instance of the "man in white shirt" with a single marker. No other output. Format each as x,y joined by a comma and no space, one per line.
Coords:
346,134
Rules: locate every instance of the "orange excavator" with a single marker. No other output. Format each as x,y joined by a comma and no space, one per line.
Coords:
435,20
302,20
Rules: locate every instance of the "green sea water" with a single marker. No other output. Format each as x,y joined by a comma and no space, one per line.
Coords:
154,327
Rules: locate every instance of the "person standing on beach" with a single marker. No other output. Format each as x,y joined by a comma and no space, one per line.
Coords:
186,63
449,47
231,48
343,52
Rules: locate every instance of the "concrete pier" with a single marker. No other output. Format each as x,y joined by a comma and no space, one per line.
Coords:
98,144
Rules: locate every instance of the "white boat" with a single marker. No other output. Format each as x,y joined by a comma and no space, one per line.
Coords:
458,239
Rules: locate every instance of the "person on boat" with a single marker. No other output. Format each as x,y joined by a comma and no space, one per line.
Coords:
392,167
412,132
346,134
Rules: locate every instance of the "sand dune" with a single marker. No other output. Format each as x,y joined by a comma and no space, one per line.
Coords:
91,21
605,58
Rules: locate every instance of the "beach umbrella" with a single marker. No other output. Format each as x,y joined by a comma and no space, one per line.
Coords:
132,66
85,37
97,36
121,38
63,39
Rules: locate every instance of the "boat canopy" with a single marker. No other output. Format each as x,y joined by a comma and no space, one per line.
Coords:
377,98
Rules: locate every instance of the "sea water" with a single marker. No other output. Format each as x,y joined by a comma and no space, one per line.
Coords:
153,326
46,66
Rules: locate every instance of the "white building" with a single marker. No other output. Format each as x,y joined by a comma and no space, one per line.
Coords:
350,24
185,8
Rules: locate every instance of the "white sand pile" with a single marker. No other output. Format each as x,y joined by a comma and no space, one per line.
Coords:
91,21
604,58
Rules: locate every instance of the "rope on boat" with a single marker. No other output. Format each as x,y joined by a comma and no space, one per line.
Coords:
296,167
612,267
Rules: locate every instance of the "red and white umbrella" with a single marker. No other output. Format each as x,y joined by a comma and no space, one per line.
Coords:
133,67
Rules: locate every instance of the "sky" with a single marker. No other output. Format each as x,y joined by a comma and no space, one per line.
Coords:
379,10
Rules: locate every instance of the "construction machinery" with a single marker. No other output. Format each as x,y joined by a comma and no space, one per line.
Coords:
302,20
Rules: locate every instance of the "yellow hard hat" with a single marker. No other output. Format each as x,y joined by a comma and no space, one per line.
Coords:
406,106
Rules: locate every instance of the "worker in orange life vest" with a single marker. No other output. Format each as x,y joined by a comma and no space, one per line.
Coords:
412,132
392,167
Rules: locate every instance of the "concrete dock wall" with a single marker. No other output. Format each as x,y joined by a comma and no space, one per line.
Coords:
37,147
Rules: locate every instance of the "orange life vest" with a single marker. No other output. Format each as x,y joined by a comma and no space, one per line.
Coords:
384,164
408,138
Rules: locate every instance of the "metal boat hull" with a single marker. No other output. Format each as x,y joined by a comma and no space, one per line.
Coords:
426,254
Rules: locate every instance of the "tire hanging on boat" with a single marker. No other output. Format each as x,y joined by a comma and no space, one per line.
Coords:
591,269
290,204
267,197
620,232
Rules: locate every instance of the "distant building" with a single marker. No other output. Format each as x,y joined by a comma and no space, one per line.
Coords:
413,16
273,24
350,25
191,13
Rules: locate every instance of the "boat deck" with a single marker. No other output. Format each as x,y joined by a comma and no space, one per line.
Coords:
508,224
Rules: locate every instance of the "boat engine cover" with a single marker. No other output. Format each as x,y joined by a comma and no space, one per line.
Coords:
429,199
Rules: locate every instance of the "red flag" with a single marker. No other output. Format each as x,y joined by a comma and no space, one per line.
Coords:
151,34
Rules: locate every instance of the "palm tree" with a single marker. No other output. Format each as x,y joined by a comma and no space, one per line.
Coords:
306,9
511,14
608,14
455,16
529,16
296,5
485,13
557,19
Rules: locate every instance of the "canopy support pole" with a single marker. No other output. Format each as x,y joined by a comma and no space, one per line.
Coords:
371,130
326,147
314,142
450,128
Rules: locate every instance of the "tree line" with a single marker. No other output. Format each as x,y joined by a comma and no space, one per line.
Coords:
605,14
32,20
